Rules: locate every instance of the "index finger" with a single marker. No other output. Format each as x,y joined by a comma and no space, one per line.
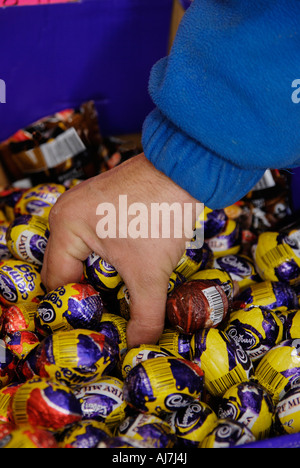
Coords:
63,261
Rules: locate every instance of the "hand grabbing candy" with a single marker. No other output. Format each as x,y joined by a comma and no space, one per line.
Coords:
145,264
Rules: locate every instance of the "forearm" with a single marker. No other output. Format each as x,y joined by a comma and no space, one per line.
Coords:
224,98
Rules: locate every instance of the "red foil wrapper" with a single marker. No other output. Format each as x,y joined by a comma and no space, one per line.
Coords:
197,304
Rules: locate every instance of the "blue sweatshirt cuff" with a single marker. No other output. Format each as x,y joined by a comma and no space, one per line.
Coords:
206,176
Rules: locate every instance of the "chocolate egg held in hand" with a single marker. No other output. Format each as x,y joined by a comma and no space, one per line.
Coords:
197,304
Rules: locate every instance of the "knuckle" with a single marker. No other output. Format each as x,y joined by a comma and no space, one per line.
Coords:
54,214
58,212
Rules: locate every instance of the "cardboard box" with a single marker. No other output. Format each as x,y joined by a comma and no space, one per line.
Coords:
57,56
185,3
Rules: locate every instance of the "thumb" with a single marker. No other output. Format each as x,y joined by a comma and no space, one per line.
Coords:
147,313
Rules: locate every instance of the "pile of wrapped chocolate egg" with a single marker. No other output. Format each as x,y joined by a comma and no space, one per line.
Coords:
225,371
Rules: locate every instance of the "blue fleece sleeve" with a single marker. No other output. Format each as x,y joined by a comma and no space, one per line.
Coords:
224,110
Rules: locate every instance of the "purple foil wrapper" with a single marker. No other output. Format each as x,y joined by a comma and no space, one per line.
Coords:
87,312
90,348
236,265
83,435
95,268
288,271
140,388
235,353
137,388
184,345
251,396
186,421
285,297
215,223
230,433
231,239
250,338
287,320
83,313
160,434
38,246
124,442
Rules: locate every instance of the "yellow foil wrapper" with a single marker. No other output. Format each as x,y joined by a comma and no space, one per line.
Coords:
224,363
140,354
288,412
279,369
251,405
277,258
163,384
20,282
27,238
39,200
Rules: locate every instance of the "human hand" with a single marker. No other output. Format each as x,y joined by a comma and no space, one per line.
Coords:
145,264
